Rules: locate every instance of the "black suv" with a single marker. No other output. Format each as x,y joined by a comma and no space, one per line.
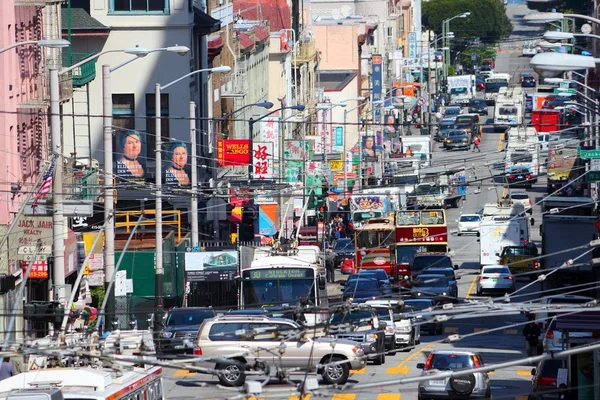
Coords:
478,106
181,328
362,325
527,80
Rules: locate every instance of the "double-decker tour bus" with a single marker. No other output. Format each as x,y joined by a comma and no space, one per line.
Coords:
280,280
373,242
418,231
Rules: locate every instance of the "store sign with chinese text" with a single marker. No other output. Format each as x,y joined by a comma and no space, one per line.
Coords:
39,269
323,128
28,231
262,160
231,153
376,78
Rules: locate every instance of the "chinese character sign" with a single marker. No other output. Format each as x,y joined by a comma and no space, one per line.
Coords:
262,160
316,143
269,130
39,269
233,152
338,142
323,129
376,77
292,150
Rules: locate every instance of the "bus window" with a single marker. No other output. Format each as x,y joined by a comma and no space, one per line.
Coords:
387,238
408,218
432,218
367,239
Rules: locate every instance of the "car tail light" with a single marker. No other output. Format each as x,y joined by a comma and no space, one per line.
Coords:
476,362
536,264
511,177
428,362
197,351
529,201
545,381
482,278
595,334
550,334
510,278
528,176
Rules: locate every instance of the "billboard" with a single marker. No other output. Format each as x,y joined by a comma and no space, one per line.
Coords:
269,130
177,167
262,160
370,148
131,164
268,219
211,265
233,152
39,269
28,231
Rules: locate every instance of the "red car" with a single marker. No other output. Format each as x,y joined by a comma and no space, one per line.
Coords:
347,266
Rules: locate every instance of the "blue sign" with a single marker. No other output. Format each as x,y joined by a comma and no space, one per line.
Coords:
339,138
412,36
376,77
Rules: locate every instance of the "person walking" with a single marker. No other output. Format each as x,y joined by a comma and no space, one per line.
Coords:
531,331
6,369
476,142
330,265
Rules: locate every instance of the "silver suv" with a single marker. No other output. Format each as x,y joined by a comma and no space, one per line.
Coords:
475,385
243,343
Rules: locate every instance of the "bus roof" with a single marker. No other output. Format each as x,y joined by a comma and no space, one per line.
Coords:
296,261
80,383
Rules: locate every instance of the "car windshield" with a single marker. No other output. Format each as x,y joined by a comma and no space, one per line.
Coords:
455,134
448,273
372,239
495,270
478,103
519,196
188,317
518,171
521,157
422,262
431,281
452,111
406,180
365,215
424,190
362,285
467,119
451,361
355,318
508,110
458,90
276,292
380,275
383,313
418,305
516,251
344,245
469,218
446,125
494,87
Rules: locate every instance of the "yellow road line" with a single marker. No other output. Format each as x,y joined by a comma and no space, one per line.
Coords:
305,397
471,287
399,369
388,396
183,372
501,142
523,372
511,332
344,396
358,371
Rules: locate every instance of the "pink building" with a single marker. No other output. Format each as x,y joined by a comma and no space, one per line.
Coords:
24,105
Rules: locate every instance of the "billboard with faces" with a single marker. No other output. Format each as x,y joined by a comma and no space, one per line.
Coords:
129,155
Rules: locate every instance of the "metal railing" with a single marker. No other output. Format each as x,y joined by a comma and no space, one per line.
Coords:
132,217
85,73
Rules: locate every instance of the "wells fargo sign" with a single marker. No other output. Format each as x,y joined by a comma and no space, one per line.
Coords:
231,153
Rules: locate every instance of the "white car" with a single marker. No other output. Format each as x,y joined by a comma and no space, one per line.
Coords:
495,278
521,198
468,223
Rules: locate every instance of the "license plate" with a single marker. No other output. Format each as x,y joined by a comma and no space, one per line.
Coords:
520,176
437,382
495,280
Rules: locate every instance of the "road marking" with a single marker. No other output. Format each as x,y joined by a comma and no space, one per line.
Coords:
344,396
183,372
388,396
358,371
402,368
523,372
471,287
500,142
305,397
451,329
511,332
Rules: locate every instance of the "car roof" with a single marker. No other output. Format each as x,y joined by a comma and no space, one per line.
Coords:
382,303
432,253
470,215
188,309
438,268
434,276
566,296
253,318
458,352
517,167
448,120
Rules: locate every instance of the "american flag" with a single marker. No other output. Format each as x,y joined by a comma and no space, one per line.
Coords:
45,187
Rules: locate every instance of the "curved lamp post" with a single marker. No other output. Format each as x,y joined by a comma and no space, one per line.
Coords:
547,17
446,42
49,43
159,271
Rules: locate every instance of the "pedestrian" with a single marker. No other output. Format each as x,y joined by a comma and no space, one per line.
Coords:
531,331
476,144
6,369
330,265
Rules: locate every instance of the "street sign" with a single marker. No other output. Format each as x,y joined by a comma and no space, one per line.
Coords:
587,154
31,250
592,176
412,44
30,257
410,62
567,91
422,101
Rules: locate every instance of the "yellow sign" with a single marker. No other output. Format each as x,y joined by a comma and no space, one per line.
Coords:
336,165
86,271
420,232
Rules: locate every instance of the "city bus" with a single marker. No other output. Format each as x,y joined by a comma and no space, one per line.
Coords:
88,383
418,231
373,243
281,280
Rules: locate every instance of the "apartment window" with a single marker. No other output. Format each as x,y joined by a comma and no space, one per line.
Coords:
151,124
390,31
123,112
139,6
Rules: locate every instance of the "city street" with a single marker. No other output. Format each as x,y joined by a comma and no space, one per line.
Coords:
503,343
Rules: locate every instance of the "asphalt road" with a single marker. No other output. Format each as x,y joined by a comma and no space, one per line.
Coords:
503,343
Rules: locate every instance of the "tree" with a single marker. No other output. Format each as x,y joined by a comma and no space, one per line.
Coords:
488,19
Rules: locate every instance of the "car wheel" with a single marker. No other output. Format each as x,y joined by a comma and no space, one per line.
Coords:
458,233
462,385
479,292
231,374
380,359
336,373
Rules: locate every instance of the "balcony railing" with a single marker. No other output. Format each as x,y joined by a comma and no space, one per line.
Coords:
305,53
85,73
38,3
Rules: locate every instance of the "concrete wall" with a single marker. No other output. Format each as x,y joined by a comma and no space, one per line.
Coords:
350,91
338,45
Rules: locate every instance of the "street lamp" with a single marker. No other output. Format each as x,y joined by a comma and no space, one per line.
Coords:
547,17
252,121
551,65
159,271
446,42
556,36
49,43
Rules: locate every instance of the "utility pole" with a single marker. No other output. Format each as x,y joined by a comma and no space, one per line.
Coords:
159,271
58,223
109,202
194,206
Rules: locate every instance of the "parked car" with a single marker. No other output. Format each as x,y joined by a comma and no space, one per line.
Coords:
468,223
434,287
366,329
495,278
421,310
399,332
218,337
545,379
430,259
343,248
449,274
458,139
527,80
476,385
478,106
519,176
362,289
180,329
446,125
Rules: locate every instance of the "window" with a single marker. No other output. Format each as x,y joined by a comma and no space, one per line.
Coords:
227,331
139,6
150,122
123,112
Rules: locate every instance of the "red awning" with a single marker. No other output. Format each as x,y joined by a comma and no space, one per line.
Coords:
261,33
214,42
246,41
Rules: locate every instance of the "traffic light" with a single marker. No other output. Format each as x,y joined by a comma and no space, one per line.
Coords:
44,311
249,214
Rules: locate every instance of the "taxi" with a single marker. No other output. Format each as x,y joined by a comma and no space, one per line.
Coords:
521,259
